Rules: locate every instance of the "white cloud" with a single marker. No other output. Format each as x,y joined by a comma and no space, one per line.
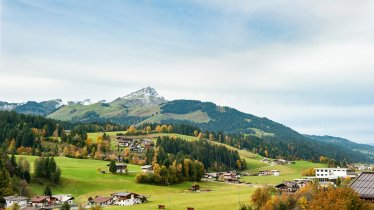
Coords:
310,65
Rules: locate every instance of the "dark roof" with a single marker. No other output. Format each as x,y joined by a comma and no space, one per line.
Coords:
287,184
101,199
39,198
364,185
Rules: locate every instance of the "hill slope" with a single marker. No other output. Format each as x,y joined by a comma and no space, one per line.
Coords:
146,106
364,149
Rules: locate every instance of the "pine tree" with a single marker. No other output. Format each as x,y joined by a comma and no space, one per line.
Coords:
5,184
48,191
112,167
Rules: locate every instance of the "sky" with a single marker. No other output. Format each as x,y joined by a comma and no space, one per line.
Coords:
306,64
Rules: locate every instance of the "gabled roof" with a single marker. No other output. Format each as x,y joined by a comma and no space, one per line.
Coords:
364,185
39,198
102,199
64,197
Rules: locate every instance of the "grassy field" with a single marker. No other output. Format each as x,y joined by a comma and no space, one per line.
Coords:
81,178
288,172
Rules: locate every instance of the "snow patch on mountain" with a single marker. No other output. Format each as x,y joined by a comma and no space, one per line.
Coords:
145,96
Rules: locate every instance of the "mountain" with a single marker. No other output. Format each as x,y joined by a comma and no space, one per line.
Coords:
144,97
147,106
5,106
32,107
364,149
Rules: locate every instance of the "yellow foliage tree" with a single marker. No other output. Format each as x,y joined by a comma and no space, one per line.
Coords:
170,128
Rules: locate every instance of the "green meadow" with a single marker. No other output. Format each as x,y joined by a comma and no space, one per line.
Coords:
81,178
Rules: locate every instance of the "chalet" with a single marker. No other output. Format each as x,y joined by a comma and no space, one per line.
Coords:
147,142
102,201
275,172
127,198
331,174
120,167
19,200
287,187
264,173
302,181
43,200
62,198
147,169
124,141
211,175
364,185
280,161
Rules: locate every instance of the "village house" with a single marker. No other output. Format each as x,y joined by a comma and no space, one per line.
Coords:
364,185
127,198
147,143
19,200
124,141
211,176
147,169
283,162
302,182
120,167
287,187
332,174
264,173
62,198
102,201
266,160
43,200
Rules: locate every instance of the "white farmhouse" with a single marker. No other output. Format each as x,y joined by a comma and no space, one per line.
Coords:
61,198
20,200
326,174
127,198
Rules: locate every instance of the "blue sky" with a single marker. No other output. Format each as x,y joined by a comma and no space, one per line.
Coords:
309,65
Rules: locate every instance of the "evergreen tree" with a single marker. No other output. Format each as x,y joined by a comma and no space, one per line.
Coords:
338,182
48,191
5,183
112,167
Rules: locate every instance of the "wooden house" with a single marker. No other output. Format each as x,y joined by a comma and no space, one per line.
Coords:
287,187
127,198
102,200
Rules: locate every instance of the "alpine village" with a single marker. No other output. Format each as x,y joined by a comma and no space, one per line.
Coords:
186,105
141,151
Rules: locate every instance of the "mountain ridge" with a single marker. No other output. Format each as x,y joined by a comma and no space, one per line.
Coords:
146,106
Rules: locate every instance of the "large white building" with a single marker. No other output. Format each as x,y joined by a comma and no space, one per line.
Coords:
325,174
19,200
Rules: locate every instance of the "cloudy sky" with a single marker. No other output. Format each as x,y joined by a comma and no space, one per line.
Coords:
306,64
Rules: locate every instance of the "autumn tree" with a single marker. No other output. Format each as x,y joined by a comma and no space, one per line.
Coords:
148,129
196,133
132,130
164,128
337,199
200,136
170,129
261,196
